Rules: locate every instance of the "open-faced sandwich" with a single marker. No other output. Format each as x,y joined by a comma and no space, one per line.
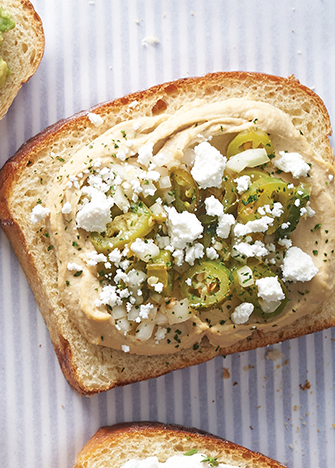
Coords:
175,224
21,47
151,444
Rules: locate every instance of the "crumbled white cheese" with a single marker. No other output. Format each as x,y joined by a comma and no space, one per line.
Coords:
243,183
258,225
257,249
276,211
208,167
145,154
67,208
194,252
310,211
160,333
292,162
213,206
125,348
109,295
145,310
93,258
122,154
212,253
38,213
158,287
178,255
285,225
242,313
287,243
303,211
269,289
96,119
298,266
226,221
115,256
183,227
145,249
74,267
96,213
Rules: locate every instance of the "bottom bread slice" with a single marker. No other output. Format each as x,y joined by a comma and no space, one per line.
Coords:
113,446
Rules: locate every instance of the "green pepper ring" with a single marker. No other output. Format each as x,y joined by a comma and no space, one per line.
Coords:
250,139
210,291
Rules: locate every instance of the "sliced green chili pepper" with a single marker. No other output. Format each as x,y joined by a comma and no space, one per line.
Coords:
292,210
249,139
206,284
265,191
227,194
125,228
161,268
250,293
185,189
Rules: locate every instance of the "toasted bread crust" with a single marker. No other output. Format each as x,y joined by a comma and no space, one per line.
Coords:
139,440
22,49
76,356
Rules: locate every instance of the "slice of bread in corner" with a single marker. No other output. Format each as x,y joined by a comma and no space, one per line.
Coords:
22,49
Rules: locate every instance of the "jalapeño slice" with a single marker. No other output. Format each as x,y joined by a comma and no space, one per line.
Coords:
206,285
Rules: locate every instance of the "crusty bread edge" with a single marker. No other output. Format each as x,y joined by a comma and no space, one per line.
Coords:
16,164
110,436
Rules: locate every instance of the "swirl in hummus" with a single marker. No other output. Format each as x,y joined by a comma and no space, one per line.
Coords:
163,237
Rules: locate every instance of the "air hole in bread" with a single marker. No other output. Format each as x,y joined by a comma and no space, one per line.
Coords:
159,107
171,90
24,47
306,107
32,57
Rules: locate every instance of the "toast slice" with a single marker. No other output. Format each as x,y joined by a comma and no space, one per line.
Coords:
22,49
28,175
115,445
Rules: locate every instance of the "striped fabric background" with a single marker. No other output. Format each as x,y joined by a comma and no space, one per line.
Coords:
94,52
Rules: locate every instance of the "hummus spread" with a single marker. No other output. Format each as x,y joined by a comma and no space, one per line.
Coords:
150,262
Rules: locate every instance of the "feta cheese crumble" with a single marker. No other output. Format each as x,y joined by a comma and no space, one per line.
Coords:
74,267
258,225
242,313
269,289
183,227
38,214
298,266
292,162
95,214
243,183
209,165
67,208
